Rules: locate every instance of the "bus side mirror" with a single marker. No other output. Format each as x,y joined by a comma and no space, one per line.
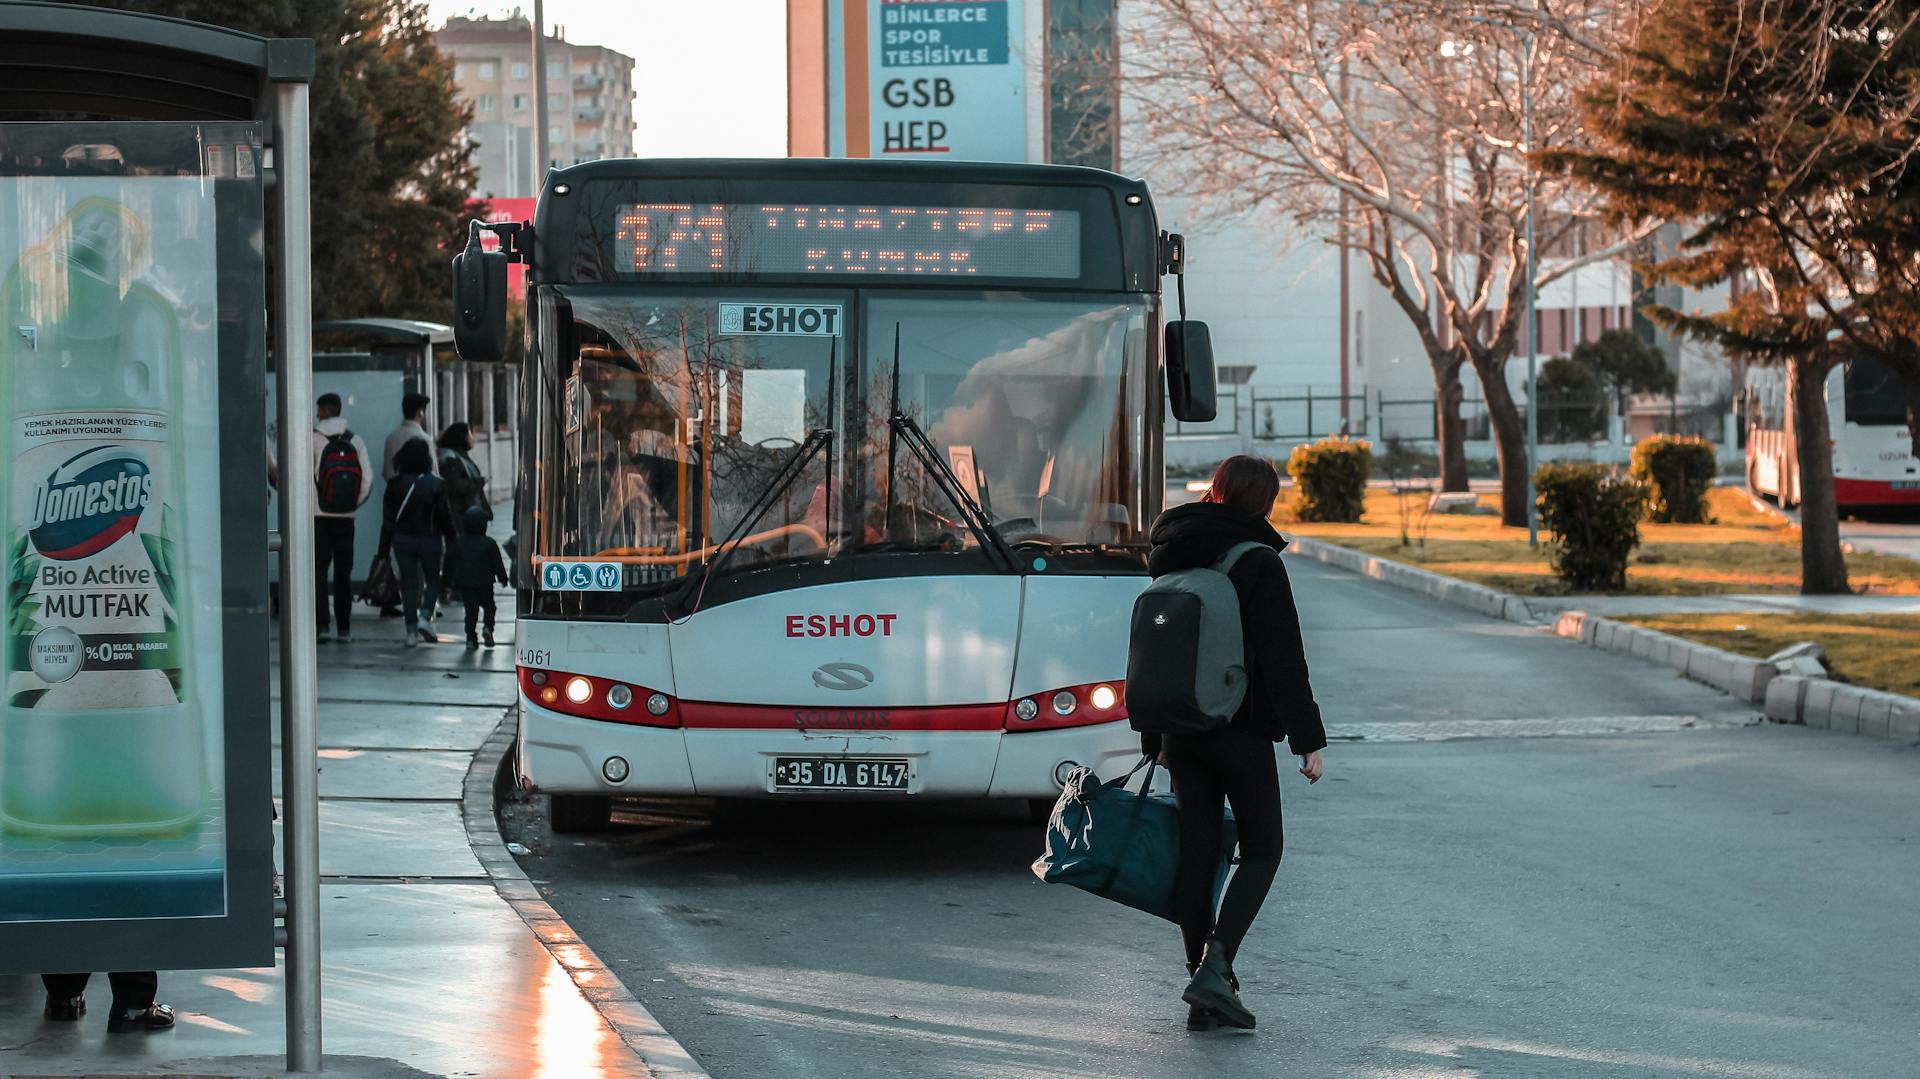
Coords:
1190,374
479,300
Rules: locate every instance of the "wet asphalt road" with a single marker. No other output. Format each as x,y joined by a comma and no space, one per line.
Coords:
1710,899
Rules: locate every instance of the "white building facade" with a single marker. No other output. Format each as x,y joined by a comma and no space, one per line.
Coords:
589,101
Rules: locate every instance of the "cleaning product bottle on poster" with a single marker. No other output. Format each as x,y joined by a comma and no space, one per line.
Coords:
100,727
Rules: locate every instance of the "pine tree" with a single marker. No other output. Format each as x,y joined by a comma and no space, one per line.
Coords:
1781,136
392,166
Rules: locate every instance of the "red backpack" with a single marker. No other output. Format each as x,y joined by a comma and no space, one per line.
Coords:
340,475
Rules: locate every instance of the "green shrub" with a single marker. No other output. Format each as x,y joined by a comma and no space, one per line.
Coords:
1593,517
1679,472
1330,479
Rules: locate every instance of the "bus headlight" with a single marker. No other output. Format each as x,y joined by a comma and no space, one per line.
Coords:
615,769
1026,710
1064,702
619,696
579,690
1103,697
658,704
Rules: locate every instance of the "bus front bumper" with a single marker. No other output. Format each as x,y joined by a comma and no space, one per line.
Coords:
562,754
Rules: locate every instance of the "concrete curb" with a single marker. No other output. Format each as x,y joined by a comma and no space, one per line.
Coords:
1814,702
1736,675
488,777
1837,706
1476,598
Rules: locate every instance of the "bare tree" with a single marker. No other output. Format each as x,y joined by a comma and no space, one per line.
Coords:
1396,130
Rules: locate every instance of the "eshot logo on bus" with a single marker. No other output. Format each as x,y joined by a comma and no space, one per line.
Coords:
89,502
840,625
781,319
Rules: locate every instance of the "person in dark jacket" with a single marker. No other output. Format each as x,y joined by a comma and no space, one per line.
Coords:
414,523
466,487
1235,763
476,566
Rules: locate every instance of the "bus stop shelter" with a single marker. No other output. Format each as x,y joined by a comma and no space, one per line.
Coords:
161,113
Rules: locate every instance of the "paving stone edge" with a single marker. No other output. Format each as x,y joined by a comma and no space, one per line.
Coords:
488,777
1813,702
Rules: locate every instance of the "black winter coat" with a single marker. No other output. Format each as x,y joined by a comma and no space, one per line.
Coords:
1279,702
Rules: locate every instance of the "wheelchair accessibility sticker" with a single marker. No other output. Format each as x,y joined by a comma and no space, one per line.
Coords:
580,576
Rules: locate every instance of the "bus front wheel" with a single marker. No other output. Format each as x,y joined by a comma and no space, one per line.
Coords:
574,814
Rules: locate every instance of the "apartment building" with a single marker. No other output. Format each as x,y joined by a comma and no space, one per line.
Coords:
589,100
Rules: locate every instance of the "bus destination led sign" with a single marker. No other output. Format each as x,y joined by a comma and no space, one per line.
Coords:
676,238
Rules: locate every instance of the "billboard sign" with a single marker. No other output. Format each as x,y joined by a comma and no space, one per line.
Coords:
133,764
945,79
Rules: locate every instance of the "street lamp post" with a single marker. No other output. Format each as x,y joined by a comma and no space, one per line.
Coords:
1533,367
540,149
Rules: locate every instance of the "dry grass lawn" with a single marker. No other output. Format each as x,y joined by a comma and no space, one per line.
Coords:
1880,651
1744,550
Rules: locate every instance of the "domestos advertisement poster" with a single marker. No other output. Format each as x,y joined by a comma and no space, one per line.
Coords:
112,800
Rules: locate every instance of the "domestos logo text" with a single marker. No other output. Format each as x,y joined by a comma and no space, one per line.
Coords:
89,502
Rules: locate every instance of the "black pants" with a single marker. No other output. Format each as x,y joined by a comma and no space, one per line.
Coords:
133,990
476,601
333,547
1209,771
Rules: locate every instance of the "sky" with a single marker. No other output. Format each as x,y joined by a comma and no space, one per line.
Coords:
709,75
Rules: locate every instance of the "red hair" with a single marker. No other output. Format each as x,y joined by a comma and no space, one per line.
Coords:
1248,484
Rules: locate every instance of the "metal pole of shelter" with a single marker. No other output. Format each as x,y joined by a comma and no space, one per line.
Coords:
1533,345
299,689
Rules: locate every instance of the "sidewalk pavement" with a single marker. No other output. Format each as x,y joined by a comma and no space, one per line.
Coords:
427,970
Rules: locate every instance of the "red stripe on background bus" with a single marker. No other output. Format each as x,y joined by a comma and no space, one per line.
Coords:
840,625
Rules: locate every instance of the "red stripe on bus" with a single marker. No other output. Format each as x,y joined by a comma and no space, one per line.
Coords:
1874,493
706,715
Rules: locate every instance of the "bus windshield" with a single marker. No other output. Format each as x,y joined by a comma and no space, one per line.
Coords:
682,418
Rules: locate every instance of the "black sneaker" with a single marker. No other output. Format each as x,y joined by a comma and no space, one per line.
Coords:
151,1017
1212,988
489,639
65,1009
473,644
1199,1018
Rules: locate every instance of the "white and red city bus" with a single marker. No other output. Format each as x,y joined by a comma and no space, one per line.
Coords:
1873,462
837,477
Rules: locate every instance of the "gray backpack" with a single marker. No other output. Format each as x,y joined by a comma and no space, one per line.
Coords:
1186,658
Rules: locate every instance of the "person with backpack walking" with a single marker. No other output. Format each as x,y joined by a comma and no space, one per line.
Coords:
476,566
415,524
343,474
1216,674
466,487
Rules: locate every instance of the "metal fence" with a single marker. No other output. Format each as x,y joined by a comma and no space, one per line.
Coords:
1302,416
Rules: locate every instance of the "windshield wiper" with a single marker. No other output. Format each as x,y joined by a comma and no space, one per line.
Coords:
903,429
794,467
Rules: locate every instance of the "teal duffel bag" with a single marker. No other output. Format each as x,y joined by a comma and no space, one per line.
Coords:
1121,844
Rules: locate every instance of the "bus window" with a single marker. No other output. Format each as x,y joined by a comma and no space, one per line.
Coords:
1875,396
682,426
1032,402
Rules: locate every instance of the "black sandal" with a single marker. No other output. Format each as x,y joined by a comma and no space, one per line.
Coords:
151,1017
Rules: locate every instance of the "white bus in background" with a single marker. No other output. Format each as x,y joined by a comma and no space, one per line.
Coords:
837,476
1873,462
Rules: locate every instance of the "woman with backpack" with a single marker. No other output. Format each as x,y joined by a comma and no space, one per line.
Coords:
466,487
416,525
1235,763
